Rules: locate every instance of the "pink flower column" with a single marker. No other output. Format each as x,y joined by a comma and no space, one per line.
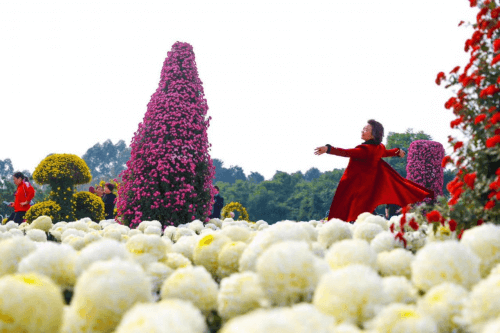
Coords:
169,175
424,165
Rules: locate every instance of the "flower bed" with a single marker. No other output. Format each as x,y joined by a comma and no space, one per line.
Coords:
236,276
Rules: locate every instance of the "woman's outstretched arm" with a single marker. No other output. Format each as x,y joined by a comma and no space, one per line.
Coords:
396,152
358,152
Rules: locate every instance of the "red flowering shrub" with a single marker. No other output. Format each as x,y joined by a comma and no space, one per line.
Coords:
476,188
425,165
170,172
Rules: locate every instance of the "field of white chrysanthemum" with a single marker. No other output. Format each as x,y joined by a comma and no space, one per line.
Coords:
238,276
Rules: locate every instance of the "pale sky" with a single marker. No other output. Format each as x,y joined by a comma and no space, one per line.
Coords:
280,77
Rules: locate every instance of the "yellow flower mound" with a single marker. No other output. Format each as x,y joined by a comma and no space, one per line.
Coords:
88,205
206,251
235,206
402,318
29,303
46,208
58,167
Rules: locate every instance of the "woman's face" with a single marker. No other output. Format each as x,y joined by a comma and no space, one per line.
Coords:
99,191
366,133
17,181
106,190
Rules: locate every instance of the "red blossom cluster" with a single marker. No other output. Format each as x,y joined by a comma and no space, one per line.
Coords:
170,173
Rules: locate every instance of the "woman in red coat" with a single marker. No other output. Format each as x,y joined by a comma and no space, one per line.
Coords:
22,198
368,180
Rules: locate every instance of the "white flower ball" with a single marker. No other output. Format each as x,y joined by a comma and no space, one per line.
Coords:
239,294
169,232
299,318
11,225
176,260
152,230
350,252
278,232
447,261
157,273
351,294
29,303
382,222
75,242
42,222
16,232
484,241
493,326
185,246
167,316
144,224
134,232
37,235
72,231
483,303
385,241
402,318
11,253
193,284
78,225
395,262
361,217
56,261
149,245
367,231
318,249
229,257
288,272
182,232
333,231
206,251
197,226
103,293
91,237
102,250
237,233
399,289
444,303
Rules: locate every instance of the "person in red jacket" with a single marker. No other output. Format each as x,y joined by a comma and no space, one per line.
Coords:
22,198
368,180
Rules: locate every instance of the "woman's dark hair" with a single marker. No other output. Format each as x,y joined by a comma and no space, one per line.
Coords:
216,187
110,186
377,130
19,175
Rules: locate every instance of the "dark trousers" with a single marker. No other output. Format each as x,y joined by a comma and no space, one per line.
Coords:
17,217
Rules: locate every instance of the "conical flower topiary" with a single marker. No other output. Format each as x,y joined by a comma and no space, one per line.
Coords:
170,172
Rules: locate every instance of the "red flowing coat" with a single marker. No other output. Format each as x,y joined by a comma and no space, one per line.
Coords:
369,181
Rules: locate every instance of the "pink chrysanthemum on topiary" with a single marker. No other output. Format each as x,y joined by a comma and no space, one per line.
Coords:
170,172
424,165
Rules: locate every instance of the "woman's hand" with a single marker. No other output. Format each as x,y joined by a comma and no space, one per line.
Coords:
401,153
320,150
24,203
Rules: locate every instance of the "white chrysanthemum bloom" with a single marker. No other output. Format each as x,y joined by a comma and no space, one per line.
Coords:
78,225
103,293
385,241
196,226
263,227
3,228
11,225
182,232
444,303
402,318
495,270
239,294
361,217
24,226
157,273
4,236
206,251
216,221
447,261
375,219
29,303
16,233
351,252
167,316
493,326
177,260
185,246
278,232
37,235
144,224
237,233
288,272
148,245
61,224
12,251
351,294
91,237
56,234
347,328
104,249
105,223
152,230
483,304
72,231
210,226
399,289
333,231
299,318
395,262
42,222
193,283
75,242
229,257
56,261
134,232
169,232
318,249
311,230
366,231
93,226
416,239
484,241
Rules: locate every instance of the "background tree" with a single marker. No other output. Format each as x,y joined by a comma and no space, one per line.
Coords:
6,168
311,174
228,175
107,160
169,175
256,177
